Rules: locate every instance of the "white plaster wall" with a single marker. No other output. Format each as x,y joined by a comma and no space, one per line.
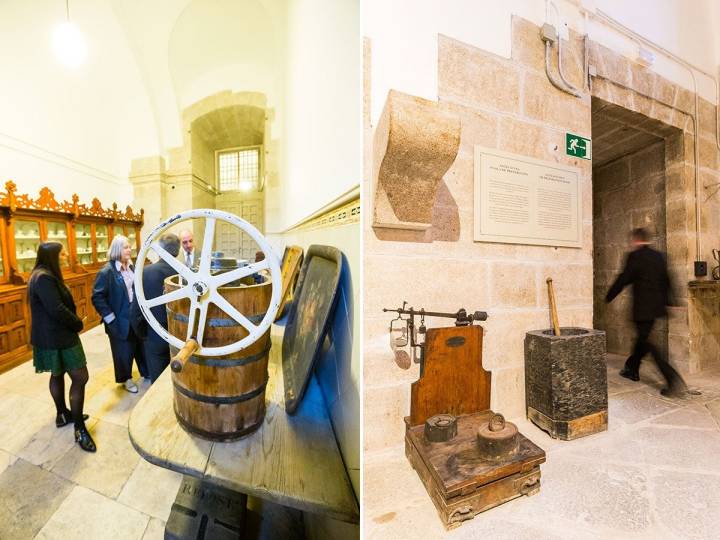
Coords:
404,36
225,45
322,145
73,130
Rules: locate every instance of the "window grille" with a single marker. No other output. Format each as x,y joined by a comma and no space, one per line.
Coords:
239,169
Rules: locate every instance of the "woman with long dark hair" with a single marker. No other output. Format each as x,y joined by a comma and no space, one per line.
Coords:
54,337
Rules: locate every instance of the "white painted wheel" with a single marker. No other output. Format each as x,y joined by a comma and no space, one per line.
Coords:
201,287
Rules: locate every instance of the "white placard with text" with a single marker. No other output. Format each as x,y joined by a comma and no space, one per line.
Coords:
521,200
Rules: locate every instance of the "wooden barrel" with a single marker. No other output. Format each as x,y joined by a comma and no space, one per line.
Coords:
223,397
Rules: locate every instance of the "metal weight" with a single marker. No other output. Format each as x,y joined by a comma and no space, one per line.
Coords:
440,428
497,440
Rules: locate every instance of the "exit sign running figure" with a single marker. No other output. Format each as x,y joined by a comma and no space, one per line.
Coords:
578,146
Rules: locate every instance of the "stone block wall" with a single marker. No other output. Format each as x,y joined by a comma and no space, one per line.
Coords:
627,193
510,105
704,315
507,104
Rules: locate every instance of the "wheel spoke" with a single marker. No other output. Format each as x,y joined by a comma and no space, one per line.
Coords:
228,308
183,292
191,320
239,273
201,323
179,267
207,246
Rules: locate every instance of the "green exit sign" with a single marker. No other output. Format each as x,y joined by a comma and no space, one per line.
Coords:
577,146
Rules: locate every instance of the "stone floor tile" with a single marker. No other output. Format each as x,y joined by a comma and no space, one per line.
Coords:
384,472
635,406
714,408
694,416
18,374
428,525
112,520
20,418
29,495
48,445
6,459
688,504
113,404
155,530
151,490
594,496
686,449
35,386
105,471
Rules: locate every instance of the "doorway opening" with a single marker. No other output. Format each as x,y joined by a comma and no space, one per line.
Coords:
629,171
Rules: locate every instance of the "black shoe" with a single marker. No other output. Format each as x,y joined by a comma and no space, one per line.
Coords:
633,376
674,392
65,418
83,438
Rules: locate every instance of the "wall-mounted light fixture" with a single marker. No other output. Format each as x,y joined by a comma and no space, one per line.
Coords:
68,42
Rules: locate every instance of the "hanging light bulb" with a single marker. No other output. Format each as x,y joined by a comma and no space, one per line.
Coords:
68,43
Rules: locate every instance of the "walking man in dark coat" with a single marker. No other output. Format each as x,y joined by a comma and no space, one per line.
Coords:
646,270
157,351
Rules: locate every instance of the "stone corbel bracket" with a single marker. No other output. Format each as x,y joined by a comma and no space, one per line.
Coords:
416,142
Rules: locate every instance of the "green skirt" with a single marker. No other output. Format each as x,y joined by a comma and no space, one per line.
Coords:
59,361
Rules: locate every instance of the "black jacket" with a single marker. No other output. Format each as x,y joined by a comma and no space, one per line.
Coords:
111,296
646,270
154,276
55,324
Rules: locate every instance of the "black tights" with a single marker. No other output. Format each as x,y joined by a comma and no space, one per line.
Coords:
78,378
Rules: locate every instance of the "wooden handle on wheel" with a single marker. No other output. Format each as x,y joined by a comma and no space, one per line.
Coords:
553,307
178,361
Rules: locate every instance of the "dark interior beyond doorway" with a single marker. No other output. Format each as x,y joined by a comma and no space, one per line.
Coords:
629,172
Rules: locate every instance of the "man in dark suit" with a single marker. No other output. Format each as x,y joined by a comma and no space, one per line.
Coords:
157,351
646,270
190,256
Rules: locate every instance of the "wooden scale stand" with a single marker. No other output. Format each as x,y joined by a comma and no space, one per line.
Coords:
468,457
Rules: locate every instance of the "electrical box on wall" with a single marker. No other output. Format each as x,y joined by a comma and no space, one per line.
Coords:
700,268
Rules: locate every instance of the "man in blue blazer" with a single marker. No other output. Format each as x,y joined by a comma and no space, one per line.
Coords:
157,351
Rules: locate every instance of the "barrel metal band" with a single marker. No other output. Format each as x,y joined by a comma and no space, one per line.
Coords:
220,323
221,400
230,362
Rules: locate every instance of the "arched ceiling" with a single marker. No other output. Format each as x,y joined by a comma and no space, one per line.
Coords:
186,50
238,125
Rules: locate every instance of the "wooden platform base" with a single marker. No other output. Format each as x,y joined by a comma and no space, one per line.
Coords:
568,430
460,483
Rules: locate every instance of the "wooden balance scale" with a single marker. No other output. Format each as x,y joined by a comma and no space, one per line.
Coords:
468,457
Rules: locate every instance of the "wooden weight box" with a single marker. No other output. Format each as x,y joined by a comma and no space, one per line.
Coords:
463,477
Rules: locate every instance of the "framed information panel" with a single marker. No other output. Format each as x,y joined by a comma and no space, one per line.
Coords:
521,200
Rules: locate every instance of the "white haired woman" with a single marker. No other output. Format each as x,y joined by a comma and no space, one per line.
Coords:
112,296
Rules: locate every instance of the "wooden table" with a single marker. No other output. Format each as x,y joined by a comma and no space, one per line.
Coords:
291,460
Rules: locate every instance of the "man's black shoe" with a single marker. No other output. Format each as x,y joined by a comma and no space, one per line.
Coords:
624,372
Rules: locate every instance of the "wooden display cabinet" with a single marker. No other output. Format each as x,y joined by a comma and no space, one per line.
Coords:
85,232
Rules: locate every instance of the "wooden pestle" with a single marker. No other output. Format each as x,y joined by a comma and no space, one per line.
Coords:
553,307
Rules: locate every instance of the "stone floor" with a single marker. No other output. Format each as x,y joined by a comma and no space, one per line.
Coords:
654,474
51,489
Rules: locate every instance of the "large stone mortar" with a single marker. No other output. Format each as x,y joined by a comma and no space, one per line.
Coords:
566,381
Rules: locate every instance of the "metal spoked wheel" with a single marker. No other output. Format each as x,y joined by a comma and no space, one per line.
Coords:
201,287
